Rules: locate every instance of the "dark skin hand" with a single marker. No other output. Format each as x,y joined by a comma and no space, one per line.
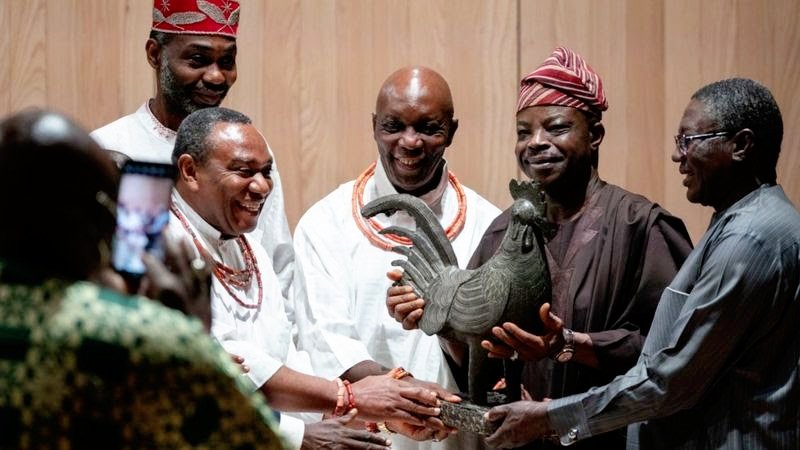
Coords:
436,432
433,426
441,392
402,303
180,283
530,347
335,434
386,397
110,279
378,397
520,422
366,368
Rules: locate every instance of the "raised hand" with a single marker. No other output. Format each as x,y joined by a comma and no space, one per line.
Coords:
334,434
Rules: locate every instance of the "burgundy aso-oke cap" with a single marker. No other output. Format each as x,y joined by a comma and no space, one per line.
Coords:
563,79
215,17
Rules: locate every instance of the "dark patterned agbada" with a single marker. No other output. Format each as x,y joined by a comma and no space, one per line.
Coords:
464,305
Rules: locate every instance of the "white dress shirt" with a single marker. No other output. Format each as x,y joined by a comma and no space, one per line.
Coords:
346,283
263,335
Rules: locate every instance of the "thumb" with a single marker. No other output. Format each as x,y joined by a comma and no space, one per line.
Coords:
394,275
551,321
525,394
347,418
496,413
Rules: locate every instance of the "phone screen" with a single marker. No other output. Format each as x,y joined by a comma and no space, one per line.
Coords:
142,213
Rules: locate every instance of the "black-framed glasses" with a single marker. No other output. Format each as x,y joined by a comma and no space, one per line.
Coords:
682,141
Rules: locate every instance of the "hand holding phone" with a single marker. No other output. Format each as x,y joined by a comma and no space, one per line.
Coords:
142,213
186,286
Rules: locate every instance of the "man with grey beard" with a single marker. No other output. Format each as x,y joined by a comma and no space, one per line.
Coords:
192,48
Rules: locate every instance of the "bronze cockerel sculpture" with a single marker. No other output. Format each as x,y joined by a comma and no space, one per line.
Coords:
464,305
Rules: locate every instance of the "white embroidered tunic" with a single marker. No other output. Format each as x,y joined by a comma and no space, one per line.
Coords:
346,284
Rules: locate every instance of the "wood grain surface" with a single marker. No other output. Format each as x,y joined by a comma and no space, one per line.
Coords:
309,71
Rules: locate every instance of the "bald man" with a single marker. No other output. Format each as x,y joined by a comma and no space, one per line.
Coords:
345,259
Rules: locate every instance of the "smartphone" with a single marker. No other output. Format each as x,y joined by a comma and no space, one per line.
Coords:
142,213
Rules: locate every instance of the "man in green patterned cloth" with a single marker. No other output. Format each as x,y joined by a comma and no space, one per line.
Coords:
82,366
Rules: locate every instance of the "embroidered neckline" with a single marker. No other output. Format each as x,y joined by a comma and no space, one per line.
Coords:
157,126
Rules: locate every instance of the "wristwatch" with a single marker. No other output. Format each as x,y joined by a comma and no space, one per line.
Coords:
568,350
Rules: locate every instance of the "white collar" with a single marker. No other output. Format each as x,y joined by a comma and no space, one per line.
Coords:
209,237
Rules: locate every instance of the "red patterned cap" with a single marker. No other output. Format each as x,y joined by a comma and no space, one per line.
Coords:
220,17
563,79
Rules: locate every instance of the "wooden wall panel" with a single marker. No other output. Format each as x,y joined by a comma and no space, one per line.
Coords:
309,71
479,58
26,58
5,49
135,74
644,159
83,73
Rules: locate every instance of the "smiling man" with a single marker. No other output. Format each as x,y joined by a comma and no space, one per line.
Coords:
224,179
194,59
719,367
192,49
613,253
344,257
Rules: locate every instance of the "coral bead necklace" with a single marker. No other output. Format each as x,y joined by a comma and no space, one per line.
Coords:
371,228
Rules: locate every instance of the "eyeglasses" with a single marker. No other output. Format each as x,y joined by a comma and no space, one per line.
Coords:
682,141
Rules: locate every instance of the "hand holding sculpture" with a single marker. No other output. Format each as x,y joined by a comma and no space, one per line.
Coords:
380,397
518,423
512,339
402,302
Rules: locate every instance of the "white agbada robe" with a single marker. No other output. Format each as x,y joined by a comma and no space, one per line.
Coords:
263,336
141,137
346,285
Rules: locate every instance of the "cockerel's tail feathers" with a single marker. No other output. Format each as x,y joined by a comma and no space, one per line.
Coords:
430,261
427,223
418,277
422,244
408,279
427,269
